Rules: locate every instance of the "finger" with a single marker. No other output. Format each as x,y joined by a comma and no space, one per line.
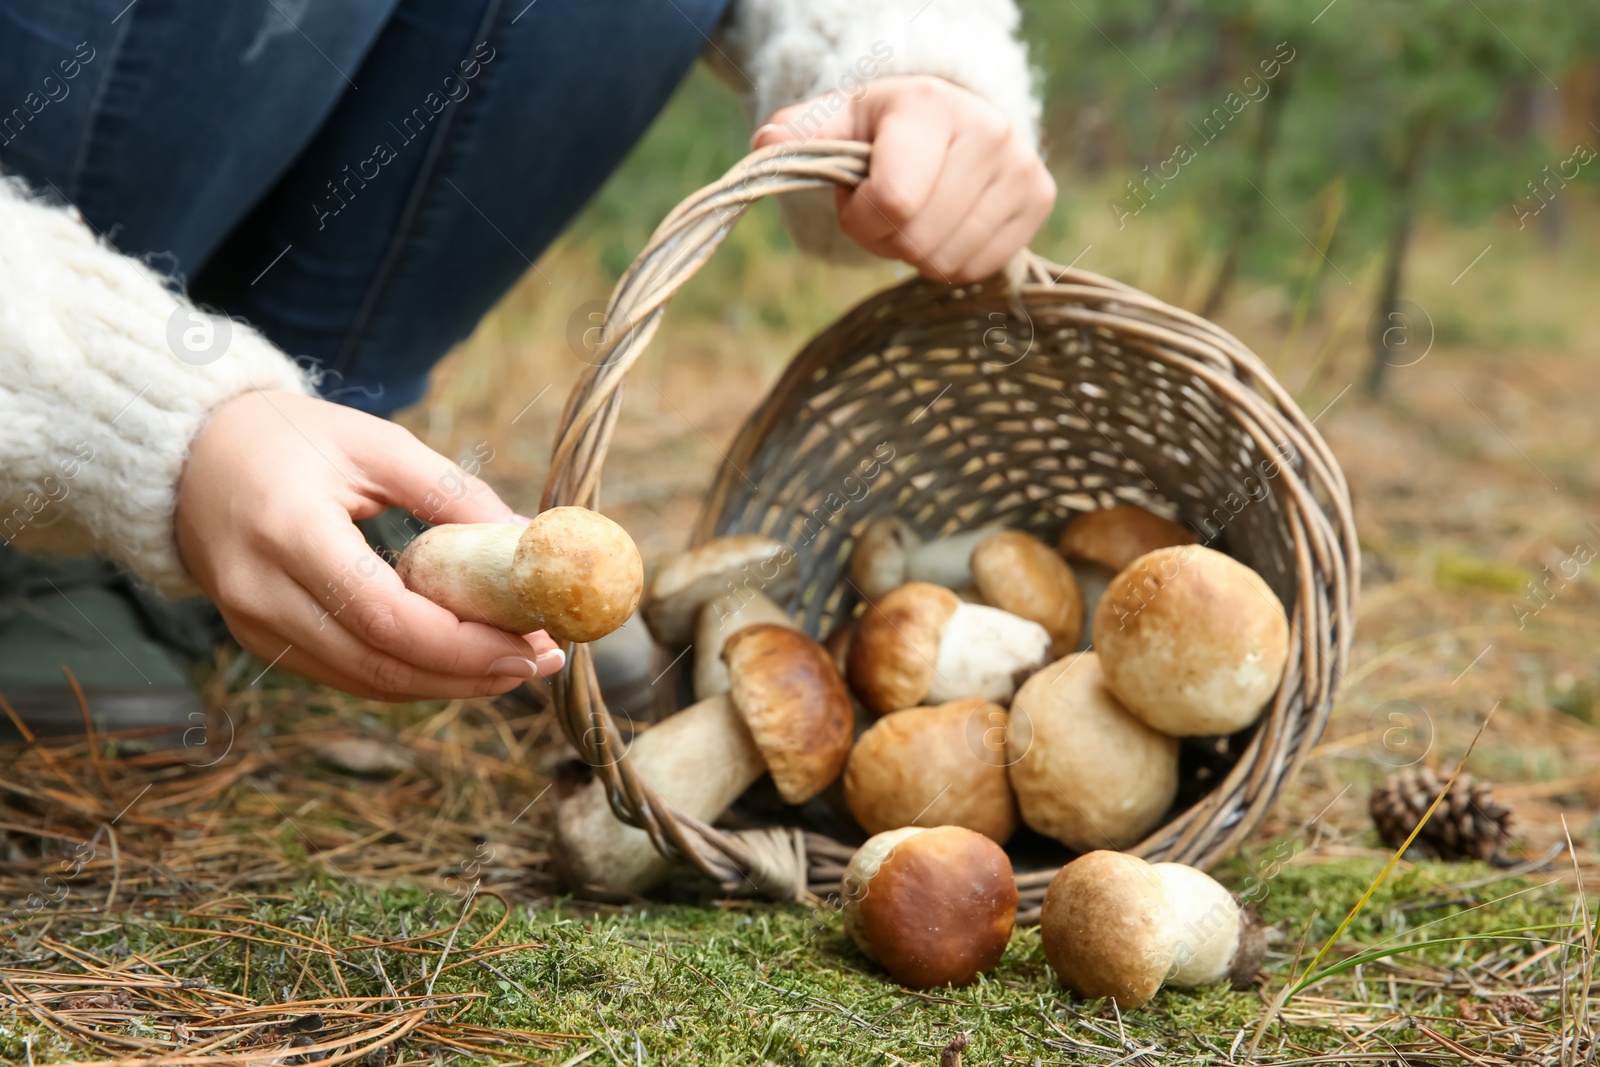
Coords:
300,623
403,472
304,665
909,147
825,117
328,664
543,644
1014,234
364,596
998,223
972,169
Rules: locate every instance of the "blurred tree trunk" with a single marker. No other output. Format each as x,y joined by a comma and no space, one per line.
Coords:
1247,205
1551,116
1402,191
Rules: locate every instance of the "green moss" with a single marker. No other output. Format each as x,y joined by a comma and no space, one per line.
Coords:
759,983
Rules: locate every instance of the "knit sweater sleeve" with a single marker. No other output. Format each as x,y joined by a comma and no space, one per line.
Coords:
779,52
97,409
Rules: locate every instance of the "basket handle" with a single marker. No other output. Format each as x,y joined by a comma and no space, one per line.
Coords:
681,245
677,250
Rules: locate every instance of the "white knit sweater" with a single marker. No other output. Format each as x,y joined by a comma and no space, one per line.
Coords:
106,375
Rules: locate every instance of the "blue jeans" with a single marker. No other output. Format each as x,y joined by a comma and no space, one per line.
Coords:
359,179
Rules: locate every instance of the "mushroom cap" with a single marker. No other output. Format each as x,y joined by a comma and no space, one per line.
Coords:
880,560
1115,537
892,659
1210,925
927,765
935,907
719,619
1019,573
1192,642
1085,770
985,652
786,689
578,571
1107,928
736,564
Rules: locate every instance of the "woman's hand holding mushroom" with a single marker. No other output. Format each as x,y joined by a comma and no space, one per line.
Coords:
265,521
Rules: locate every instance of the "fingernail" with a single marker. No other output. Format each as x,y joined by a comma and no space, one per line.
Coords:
550,662
514,667
754,137
520,520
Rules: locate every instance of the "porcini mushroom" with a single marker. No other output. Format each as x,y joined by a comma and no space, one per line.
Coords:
719,619
889,553
1085,770
921,644
1107,928
1115,537
788,712
933,906
1193,642
927,765
1101,543
1115,926
571,572
741,565
1018,573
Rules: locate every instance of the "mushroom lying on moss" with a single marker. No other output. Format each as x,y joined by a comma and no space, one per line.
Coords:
1115,926
934,906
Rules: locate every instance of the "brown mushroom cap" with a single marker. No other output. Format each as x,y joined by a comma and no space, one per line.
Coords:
687,580
579,572
798,710
927,765
1107,928
1019,573
719,619
1085,770
1115,537
934,907
1192,642
892,658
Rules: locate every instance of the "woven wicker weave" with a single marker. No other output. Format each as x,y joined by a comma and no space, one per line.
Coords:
1022,400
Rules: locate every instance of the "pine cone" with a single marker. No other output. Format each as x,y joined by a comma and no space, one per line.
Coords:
1468,824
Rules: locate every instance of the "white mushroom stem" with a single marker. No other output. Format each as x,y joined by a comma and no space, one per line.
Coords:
947,561
719,620
981,652
889,554
470,569
701,759
1208,924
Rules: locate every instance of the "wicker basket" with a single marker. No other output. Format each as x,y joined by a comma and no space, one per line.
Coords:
1022,400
